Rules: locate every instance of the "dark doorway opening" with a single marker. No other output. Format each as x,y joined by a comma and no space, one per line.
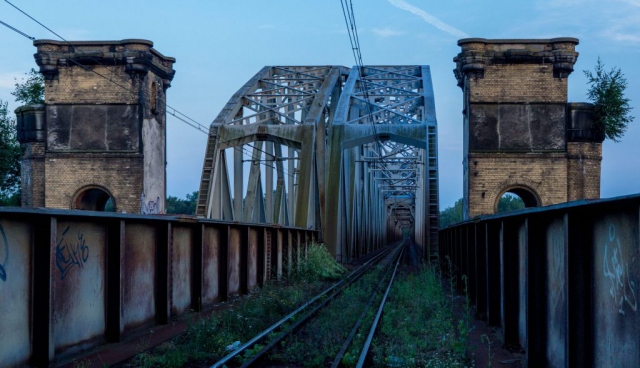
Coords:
94,199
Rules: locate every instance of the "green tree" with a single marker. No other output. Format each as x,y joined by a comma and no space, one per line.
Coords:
451,215
612,110
178,206
31,91
9,159
510,202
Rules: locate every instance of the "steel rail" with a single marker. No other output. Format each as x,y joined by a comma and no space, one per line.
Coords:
376,320
254,359
349,279
356,326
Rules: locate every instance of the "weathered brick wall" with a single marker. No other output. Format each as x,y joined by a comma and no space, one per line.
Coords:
493,174
516,120
518,83
583,170
98,118
120,175
76,85
32,174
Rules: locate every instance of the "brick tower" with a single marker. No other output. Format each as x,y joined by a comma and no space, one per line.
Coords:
101,133
520,134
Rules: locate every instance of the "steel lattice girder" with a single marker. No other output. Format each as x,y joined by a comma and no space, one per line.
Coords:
281,106
361,162
382,161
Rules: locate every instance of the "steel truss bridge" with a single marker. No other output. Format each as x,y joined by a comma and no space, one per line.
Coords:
349,152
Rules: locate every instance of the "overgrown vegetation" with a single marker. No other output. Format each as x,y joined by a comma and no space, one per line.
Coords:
209,339
454,214
179,206
317,343
451,215
30,91
612,109
510,202
418,327
319,264
27,92
9,159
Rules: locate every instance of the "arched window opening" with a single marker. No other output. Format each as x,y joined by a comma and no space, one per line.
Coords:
94,199
516,199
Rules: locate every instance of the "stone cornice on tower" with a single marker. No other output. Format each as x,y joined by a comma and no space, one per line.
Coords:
476,53
138,57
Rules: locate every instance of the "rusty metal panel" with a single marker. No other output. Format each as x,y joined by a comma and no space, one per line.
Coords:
233,262
79,282
252,259
556,303
616,281
289,241
280,243
298,250
493,273
211,264
268,260
15,291
139,273
523,246
180,269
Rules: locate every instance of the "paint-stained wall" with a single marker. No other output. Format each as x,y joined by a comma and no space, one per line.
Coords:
72,280
79,283
577,268
15,292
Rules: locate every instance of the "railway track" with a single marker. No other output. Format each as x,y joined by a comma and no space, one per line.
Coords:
376,276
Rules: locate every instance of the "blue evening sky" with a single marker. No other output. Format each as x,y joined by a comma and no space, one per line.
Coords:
219,45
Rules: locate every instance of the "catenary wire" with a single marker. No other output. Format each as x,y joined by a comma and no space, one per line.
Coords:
17,30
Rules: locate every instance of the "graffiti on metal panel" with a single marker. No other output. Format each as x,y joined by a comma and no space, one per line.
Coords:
5,243
149,207
558,280
70,254
616,269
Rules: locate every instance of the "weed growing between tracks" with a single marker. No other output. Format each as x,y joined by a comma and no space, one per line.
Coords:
315,344
206,339
418,328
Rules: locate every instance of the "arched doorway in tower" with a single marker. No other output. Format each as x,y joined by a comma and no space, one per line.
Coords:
516,198
93,198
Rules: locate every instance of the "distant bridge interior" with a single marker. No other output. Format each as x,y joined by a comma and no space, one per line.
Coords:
351,153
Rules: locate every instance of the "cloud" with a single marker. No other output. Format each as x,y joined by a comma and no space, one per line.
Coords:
616,35
632,2
386,32
401,4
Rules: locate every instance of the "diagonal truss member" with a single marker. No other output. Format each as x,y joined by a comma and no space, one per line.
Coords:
275,124
350,152
383,160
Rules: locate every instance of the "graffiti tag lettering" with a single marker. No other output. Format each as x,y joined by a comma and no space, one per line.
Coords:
149,207
616,269
69,255
3,271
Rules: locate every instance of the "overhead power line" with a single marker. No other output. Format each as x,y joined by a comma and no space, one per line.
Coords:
170,110
177,114
17,30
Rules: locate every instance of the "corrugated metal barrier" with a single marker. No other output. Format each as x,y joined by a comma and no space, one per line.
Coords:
71,280
561,281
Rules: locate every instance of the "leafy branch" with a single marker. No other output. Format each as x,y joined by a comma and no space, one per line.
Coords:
612,110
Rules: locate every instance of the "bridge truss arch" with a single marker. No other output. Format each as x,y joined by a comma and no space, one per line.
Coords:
350,152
